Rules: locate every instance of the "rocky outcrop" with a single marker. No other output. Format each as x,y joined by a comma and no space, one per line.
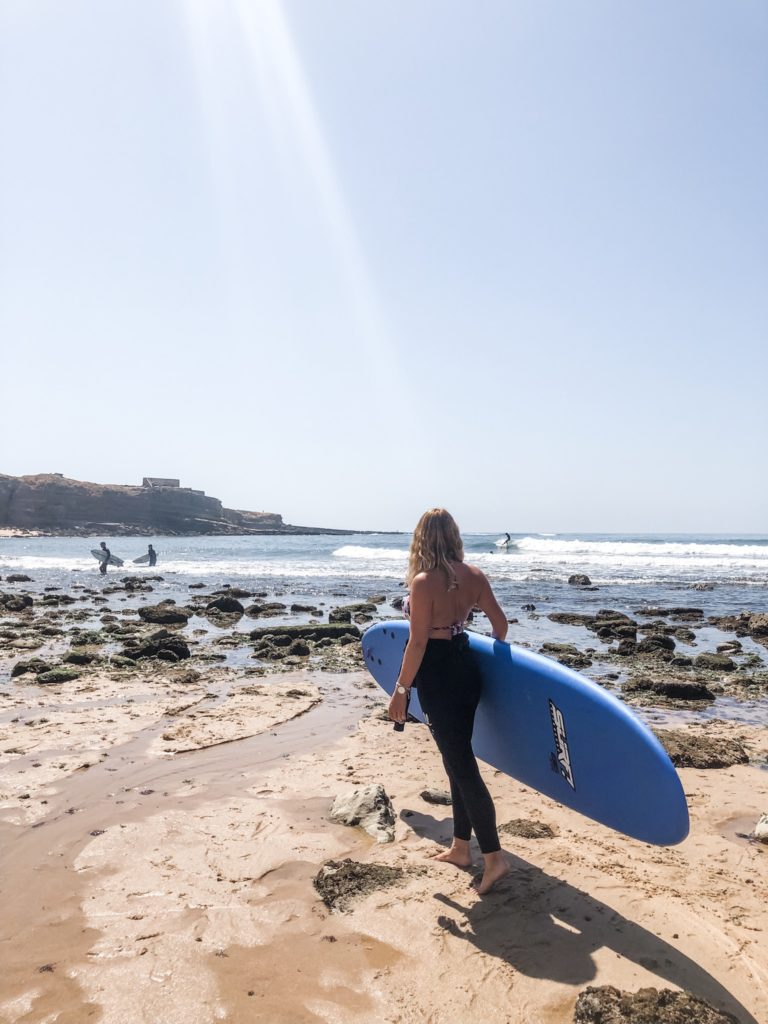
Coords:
50,502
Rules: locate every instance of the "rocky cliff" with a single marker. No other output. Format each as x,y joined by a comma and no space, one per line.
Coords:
51,503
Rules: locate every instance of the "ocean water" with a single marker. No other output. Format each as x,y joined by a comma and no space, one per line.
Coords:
718,574
722,573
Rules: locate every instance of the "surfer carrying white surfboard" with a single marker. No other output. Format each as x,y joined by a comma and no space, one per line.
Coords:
443,590
104,558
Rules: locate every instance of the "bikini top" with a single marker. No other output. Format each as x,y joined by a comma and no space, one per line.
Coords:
455,627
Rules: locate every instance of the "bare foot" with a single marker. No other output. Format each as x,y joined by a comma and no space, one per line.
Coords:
496,867
454,857
458,854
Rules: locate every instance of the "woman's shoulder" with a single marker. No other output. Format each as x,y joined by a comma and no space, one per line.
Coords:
472,570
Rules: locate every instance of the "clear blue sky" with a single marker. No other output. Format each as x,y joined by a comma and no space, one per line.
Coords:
346,260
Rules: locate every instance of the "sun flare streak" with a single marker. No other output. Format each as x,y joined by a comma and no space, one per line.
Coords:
285,97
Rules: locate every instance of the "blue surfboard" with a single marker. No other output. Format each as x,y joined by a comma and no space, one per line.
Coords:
559,733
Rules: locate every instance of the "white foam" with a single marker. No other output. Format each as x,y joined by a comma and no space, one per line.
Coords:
621,549
371,554
31,562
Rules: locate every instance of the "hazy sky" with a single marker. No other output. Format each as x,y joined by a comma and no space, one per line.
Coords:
345,260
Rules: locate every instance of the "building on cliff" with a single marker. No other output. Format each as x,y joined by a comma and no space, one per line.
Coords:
161,481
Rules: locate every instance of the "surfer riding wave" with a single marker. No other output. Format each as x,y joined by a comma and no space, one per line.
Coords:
437,660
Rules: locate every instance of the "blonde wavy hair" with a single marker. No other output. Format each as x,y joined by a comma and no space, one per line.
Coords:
435,544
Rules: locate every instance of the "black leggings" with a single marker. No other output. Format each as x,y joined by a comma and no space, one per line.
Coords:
449,686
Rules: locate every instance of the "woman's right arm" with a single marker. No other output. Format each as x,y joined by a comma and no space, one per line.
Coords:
488,604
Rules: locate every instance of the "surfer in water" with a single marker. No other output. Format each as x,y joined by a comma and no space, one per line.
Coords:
152,555
106,554
443,590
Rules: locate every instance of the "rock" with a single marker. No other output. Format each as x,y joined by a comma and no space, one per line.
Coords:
676,612
654,643
685,636
81,657
370,808
688,749
197,586
54,600
566,618
626,648
18,577
436,796
397,603
163,645
308,631
306,608
714,662
83,638
340,615
36,665
608,624
339,882
528,608
238,592
580,579
166,613
377,599
261,611
133,584
225,603
526,828
121,661
15,602
761,829
758,625
677,689
282,641
300,648
605,1004
58,675
566,654
738,624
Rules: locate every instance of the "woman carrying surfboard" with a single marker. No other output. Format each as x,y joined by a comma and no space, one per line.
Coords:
443,590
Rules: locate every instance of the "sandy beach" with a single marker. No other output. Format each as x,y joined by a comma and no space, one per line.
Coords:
164,822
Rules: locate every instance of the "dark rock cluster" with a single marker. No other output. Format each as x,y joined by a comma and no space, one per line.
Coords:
605,1004
338,883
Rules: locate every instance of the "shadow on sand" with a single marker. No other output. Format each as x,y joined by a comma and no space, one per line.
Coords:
545,928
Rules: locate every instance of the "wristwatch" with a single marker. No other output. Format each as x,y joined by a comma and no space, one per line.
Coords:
403,689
